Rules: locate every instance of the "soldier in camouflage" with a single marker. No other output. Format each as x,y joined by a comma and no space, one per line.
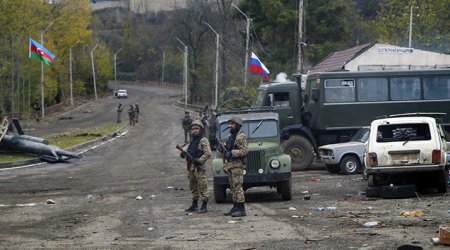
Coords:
200,150
236,155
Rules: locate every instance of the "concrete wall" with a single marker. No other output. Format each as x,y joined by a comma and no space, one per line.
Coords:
388,56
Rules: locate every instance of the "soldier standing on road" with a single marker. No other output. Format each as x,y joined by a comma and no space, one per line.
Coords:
131,115
186,123
136,112
236,155
119,112
200,151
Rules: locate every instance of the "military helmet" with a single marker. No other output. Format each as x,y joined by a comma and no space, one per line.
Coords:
236,119
197,123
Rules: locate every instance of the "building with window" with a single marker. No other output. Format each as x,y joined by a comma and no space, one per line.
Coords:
376,56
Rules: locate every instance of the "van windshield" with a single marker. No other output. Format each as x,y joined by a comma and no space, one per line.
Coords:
404,132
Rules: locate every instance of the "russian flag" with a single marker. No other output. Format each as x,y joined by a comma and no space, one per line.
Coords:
39,52
257,66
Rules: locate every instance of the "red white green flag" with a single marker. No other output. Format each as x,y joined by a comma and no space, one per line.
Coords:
39,52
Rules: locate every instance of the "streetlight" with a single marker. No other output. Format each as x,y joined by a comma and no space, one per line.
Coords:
115,67
186,54
247,39
410,25
217,65
42,73
70,70
93,71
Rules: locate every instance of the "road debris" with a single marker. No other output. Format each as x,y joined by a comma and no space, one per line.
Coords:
293,209
50,202
371,224
415,213
138,197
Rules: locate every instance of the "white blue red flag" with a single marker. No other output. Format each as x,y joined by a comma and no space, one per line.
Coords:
257,66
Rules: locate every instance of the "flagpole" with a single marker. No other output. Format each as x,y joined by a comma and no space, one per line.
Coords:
42,74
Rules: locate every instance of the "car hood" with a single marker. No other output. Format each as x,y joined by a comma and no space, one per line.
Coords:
342,145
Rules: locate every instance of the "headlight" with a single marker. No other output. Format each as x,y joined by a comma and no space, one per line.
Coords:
274,164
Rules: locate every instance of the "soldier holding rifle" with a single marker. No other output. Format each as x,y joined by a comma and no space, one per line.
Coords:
196,155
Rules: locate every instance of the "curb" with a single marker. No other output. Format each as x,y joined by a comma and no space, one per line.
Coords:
6,165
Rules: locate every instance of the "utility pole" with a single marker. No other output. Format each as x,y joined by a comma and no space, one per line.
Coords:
247,41
300,37
115,67
70,71
410,26
93,71
216,89
186,54
162,70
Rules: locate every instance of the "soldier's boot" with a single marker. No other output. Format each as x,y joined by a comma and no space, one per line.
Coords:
232,210
203,208
193,207
240,210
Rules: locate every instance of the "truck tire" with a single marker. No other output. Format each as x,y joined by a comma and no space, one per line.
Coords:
220,193
300,150
350,165
373,191
285,188
398,192
442,181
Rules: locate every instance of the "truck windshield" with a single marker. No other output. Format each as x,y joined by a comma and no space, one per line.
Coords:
362,135
260,99
253,129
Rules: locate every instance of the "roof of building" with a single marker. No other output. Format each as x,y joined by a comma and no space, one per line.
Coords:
337,60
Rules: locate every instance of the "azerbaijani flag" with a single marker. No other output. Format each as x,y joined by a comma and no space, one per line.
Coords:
257,66
39,52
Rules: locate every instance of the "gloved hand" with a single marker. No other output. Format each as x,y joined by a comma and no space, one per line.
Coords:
228,155
182,155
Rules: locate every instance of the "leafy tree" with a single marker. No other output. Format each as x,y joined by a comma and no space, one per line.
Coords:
431,24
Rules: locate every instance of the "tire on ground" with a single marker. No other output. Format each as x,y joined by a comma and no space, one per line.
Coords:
442,181
396,192
300,150
220,193
332,168
350,165
373,191
285,188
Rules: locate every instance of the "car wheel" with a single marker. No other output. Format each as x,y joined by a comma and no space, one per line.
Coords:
300,150
285,188
442,182
350,165
220,193
332,168
373,191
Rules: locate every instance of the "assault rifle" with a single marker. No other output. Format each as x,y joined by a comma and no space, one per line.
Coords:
189,157
223,150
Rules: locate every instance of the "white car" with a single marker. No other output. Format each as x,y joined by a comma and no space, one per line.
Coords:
122,93
346,157
407,149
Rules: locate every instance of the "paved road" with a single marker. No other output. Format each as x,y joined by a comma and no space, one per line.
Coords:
95,203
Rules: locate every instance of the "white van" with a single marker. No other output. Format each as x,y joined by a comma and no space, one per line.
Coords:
407,149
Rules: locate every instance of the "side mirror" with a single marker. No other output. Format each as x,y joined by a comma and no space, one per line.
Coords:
315,94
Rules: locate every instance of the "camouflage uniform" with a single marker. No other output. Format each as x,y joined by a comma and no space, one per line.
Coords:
119,113
131,115
197,174
236,167
136,113
186,123
236,154
200,151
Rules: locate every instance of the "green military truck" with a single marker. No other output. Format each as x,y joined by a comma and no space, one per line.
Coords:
331,106
266,165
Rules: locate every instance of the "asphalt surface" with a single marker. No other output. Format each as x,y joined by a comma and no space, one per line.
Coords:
130,192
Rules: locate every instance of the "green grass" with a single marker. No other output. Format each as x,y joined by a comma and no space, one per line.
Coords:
67,140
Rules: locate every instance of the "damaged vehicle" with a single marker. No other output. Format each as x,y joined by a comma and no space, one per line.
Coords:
346,157
405,152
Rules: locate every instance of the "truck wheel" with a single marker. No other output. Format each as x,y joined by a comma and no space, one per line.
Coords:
285,188
442,181
349,165
300,150
398,192
332,168
373,191
220,193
